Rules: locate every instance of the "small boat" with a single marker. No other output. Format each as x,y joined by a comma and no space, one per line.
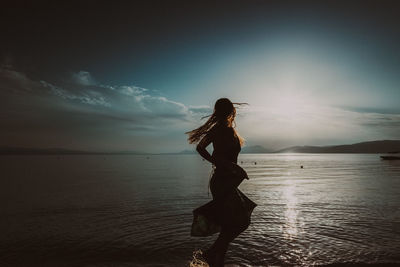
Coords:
390,157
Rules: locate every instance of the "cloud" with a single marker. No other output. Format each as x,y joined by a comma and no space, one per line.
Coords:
315,125
92,116
89,97
129,90
162,106
117,100
372,110
201,110
388,121
86,112
82,78
17,82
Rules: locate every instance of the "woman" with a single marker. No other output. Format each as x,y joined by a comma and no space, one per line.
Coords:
230,210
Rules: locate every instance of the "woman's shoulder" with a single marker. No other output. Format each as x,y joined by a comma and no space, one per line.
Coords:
214,130
220,130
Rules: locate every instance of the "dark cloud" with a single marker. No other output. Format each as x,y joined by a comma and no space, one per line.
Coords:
388,121
33,110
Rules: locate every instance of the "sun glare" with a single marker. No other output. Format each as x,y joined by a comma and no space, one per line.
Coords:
290,106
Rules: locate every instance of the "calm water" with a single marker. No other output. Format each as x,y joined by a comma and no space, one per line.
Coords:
136,211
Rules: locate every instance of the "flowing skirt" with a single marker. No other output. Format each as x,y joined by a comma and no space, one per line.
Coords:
229,207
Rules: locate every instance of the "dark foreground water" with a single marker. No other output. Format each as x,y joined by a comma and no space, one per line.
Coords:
136,210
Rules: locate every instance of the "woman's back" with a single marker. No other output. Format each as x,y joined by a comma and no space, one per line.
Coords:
226,143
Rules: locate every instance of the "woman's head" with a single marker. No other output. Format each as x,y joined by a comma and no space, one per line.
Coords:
224,114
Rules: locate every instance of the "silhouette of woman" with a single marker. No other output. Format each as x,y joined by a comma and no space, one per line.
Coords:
230,210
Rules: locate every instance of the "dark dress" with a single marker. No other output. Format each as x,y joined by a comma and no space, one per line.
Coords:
230,208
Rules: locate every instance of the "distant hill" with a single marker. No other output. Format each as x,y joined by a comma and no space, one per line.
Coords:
59,151
255,150
384,146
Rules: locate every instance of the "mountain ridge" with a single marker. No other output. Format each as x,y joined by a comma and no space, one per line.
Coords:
5,150
378,146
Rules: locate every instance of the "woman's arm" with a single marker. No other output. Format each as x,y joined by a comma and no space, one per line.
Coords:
201,148
221,163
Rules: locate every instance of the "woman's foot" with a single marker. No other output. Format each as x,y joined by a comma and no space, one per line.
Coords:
214,258
219,260
210,257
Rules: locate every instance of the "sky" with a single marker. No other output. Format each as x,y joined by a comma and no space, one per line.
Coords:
138,75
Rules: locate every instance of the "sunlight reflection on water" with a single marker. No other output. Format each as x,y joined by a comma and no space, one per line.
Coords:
290,227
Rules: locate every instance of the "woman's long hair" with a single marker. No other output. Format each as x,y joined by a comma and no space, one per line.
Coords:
224,114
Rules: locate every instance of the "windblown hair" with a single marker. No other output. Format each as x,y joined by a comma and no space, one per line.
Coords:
224,114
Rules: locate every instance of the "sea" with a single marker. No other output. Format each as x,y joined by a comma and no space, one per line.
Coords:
136,210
